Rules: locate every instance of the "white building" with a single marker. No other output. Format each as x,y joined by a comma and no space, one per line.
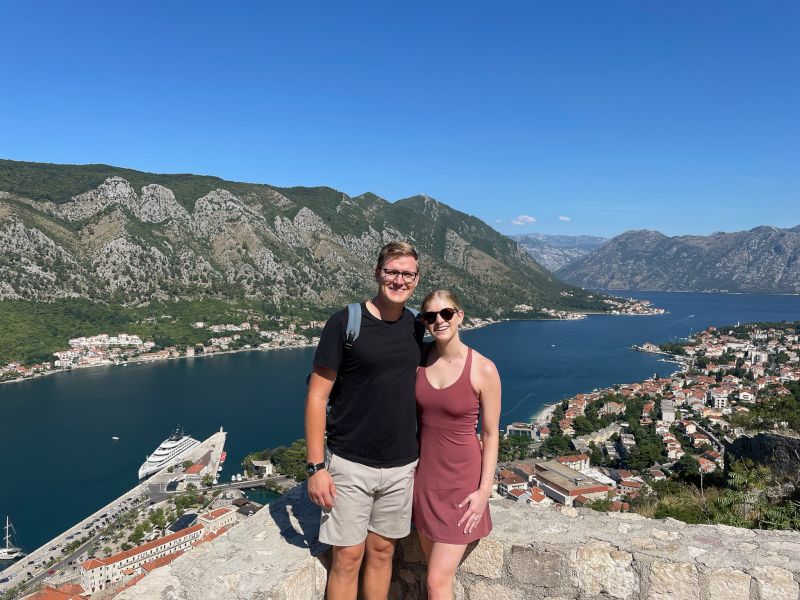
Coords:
668,411
100,573
217,519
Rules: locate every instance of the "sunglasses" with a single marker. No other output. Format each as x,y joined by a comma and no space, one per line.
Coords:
430,316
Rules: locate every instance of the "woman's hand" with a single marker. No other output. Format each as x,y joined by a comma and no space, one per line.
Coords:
477,505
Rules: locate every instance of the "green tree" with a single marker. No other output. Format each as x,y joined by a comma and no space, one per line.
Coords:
687,466
582,425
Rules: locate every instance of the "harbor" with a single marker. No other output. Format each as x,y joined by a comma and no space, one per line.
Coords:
58,560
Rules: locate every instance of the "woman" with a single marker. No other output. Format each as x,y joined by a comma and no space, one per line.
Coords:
454,477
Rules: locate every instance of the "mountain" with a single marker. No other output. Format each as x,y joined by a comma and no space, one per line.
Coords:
125,237
764,259
554,252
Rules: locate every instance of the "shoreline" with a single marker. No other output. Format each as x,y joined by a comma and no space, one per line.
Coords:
153,360
545,414
149,361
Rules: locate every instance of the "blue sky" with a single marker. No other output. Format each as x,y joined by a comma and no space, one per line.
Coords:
585,117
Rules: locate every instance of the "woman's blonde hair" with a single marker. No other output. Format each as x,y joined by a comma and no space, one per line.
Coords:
444,294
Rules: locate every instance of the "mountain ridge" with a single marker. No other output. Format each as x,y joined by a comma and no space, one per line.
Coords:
128,237
554,252
764,259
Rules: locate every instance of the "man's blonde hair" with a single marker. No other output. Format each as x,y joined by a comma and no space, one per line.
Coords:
394,250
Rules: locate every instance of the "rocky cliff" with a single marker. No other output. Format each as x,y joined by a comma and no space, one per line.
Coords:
764,259
780,451
122,236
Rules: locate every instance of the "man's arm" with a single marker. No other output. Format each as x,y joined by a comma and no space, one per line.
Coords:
321,490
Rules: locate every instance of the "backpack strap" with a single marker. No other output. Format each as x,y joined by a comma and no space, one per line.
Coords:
419,327
353,325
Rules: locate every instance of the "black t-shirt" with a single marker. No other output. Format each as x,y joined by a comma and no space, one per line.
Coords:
373,417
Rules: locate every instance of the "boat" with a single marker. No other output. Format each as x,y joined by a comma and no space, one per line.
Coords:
9,552
113,437
168,453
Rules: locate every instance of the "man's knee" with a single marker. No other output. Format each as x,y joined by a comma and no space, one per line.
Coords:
379,548
347,559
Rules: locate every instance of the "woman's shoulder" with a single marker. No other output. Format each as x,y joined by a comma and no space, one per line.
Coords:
482,366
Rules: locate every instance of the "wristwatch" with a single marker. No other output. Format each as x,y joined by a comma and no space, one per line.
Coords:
312,468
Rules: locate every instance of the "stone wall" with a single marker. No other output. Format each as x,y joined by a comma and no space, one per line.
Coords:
553,554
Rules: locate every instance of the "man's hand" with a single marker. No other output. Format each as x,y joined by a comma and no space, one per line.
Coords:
321,490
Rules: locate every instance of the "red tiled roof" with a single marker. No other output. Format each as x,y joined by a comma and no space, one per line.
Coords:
211,536
517,493
512,479
572,459
152,565
216,514
537,495
195,469
94,562
51,593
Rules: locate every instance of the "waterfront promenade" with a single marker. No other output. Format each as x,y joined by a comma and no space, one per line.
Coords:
51,561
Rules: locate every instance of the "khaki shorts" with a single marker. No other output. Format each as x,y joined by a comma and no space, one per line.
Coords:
367,499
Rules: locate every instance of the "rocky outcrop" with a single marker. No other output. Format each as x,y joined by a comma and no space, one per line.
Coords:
532,553
779,451
764,259
33,266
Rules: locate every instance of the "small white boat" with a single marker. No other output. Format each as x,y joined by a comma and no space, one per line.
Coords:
113,437
9,552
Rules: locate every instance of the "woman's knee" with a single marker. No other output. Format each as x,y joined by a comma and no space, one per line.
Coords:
439,581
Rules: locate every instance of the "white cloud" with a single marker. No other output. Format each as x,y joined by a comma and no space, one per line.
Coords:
523,220
565,218
498,220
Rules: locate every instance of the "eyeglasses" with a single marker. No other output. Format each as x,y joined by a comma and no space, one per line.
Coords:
447,314
391,275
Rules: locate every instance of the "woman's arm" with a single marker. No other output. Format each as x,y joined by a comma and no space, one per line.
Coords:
488,386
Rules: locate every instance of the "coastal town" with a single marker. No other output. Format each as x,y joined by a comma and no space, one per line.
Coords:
257,333
606,448
105,349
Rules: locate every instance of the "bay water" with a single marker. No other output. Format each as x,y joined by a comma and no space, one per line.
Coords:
59,461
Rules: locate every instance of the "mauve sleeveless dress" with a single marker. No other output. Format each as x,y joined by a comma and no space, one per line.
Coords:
449,467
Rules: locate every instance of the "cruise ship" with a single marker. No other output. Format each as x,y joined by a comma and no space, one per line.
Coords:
168,453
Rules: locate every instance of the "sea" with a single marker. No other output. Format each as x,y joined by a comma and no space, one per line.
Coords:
60,461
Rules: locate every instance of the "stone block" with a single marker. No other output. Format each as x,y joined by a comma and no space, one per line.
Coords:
412,551
673,581
540,568
775,583
484,590
486,560
600,568
728,584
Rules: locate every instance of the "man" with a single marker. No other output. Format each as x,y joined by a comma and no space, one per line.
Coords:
365,488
